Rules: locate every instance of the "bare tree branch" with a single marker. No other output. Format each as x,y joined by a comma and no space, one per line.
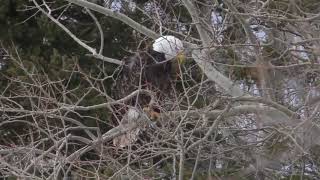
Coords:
125,19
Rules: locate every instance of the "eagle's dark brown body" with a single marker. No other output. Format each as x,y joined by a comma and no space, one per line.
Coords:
144,70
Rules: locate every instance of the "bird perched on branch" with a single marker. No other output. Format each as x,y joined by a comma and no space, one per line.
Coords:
153,70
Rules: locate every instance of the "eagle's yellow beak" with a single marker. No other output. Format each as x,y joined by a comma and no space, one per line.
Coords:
181,57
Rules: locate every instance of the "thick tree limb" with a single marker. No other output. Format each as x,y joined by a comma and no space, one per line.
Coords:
76,39
234,111
214,75
205,38
125,19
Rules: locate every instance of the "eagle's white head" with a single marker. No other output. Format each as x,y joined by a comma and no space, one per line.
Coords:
171,46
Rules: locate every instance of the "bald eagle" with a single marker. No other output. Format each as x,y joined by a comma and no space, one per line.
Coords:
152,70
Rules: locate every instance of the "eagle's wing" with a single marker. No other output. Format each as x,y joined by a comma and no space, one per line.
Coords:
128,77
146,70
